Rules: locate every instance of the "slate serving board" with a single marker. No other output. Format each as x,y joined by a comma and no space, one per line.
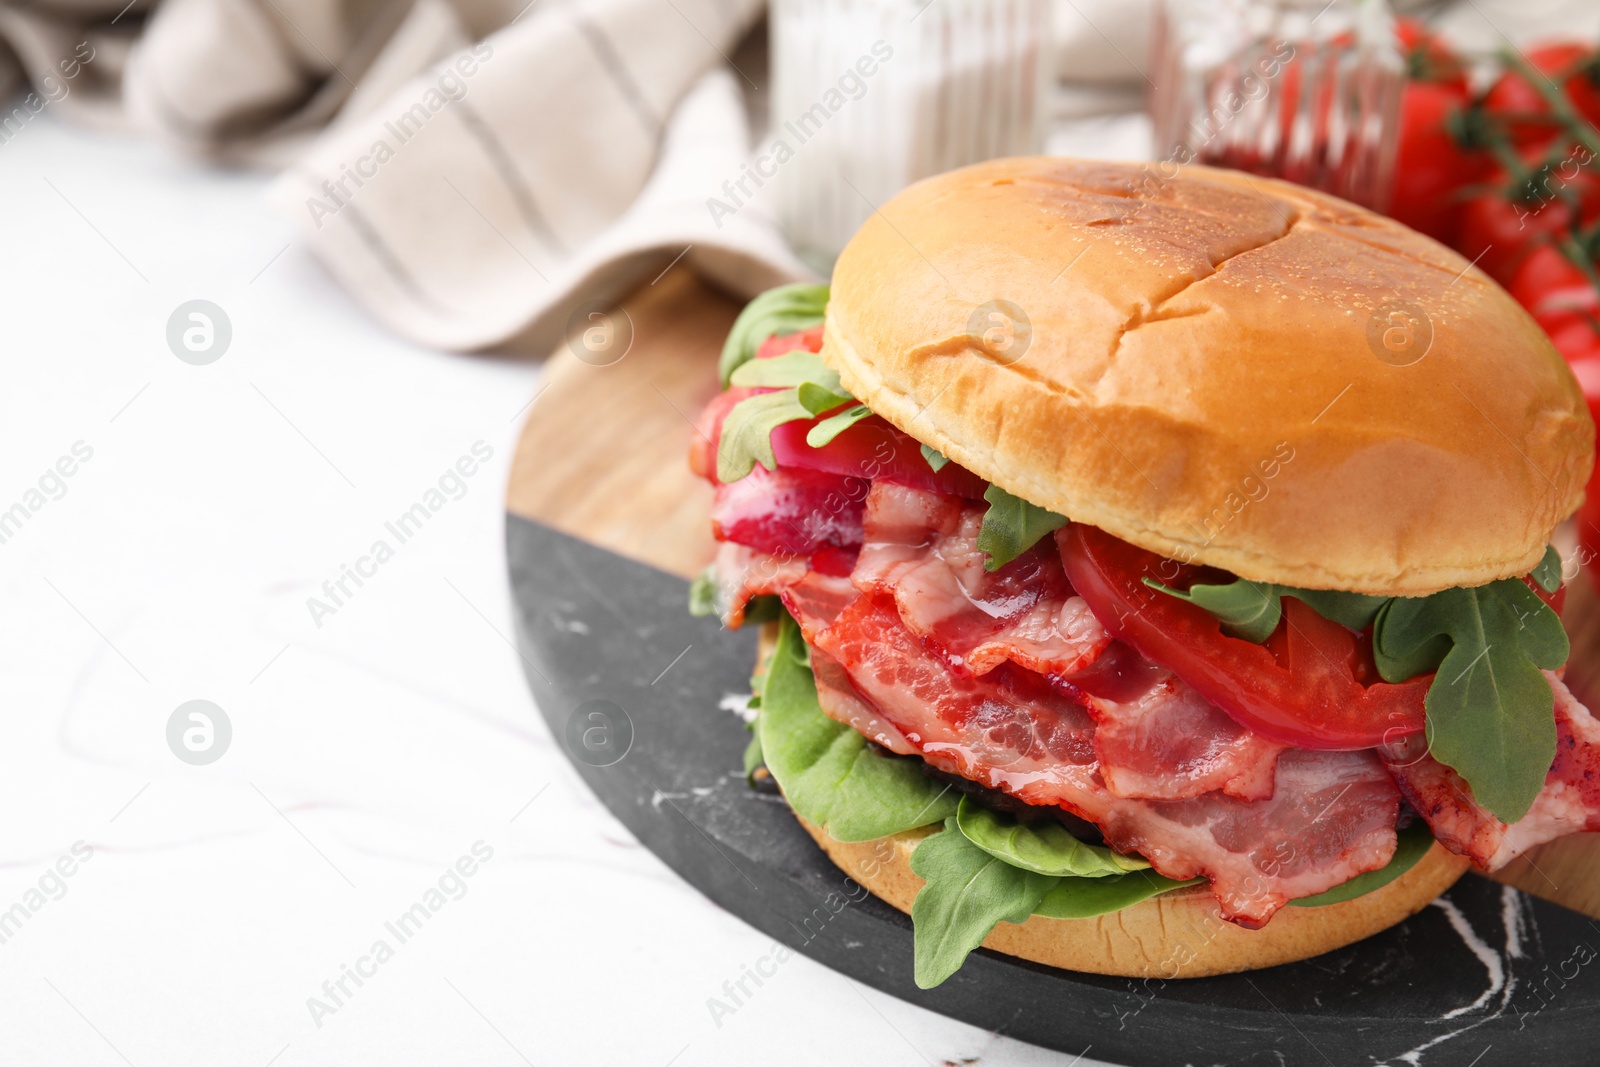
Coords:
603,526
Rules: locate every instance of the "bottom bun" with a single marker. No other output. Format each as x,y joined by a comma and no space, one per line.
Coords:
1180,934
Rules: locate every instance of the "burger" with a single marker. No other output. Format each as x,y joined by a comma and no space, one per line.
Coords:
1157,569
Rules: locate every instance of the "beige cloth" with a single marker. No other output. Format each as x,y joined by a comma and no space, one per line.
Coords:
474,170
471,171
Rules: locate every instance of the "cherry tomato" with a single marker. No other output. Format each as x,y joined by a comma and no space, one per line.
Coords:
1312,684
1502,226
1523,108
1428,58
1431,165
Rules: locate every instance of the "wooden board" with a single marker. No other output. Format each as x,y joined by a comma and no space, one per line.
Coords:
605,525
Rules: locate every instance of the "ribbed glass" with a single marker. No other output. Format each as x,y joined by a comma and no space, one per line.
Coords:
870,95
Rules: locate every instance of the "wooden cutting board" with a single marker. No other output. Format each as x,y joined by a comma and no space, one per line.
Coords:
602,457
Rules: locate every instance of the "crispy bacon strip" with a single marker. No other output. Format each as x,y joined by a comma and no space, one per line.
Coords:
743,572
921,548
1570,802
1158,739
1332,816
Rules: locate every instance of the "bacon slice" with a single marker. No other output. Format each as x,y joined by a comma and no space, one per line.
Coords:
1569,803
1158,739
743,572
922,549
1331,817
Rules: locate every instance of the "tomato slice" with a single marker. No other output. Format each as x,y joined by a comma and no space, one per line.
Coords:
1312,685
872,448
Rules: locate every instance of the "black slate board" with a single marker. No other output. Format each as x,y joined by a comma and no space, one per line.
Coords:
1485,976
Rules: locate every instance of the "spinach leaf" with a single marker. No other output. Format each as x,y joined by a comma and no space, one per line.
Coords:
1043,847
1415,841
827,771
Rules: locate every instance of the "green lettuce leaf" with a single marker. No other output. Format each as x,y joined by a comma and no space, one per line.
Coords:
834,425
1548,572
1355,610
789,369
1414,842
966,892
1250,610
1084,898
827,771
1491,713
1043,847
703,593
782,310
1011,526
747,432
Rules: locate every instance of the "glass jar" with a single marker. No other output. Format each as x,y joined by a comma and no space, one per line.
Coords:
870,95
1307,90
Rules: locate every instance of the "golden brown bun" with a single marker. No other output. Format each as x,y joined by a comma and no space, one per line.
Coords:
1190,333
1177,935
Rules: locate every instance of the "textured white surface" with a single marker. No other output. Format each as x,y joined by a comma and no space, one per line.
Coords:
367,754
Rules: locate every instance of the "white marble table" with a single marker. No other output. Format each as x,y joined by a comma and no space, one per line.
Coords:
369,753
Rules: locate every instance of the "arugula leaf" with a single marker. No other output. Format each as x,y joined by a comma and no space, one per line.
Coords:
747,432
1355,610
782,310
1490,710
1044,847
1011,526
834,425
1414,843
1250,610
1084,898
966,892
1548,572
703,593
828,772
789,369
819,398
935,458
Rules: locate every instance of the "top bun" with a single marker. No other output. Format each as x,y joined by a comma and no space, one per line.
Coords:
1225,369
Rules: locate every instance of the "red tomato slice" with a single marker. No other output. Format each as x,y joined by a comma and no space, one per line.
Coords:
872,448
1312,684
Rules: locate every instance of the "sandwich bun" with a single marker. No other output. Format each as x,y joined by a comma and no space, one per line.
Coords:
1221,368
1179,934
